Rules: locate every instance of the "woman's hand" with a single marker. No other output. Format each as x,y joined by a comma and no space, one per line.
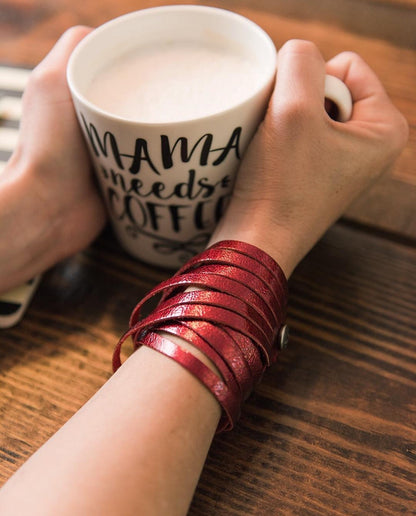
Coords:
299,174
49,204
303,169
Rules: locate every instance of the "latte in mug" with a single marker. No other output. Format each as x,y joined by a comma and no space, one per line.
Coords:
168,99
175,81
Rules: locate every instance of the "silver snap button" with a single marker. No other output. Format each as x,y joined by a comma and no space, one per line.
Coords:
283,339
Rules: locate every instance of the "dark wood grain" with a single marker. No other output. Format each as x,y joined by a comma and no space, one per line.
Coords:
60,354
370,18
332,428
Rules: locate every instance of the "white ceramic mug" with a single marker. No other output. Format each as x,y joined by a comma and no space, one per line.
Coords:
151,174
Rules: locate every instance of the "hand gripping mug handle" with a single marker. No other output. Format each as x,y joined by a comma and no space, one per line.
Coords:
339,94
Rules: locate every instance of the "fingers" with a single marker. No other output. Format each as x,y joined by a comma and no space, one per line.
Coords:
300,76
372,105
356,74
63,48
57,59
47,88
366,89
48,80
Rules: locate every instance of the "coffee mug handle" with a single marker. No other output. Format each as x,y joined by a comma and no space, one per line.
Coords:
339,94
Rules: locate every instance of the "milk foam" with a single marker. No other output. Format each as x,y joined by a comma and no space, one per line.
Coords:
175,82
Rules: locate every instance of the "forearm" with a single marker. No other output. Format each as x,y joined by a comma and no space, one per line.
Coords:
137,447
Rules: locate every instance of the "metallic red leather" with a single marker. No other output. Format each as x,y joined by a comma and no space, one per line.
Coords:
240,261
212,278
215,385
218,338
229,302
257,254
220,300
216,315
216,356
242,284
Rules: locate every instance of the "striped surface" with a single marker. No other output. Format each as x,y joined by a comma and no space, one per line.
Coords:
12,84
331,429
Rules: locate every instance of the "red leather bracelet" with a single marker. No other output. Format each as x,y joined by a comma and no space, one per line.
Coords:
220,300
238,361
214,281
217,356
215,315
236,282
235,320
248,264
257,254
252,356
215,385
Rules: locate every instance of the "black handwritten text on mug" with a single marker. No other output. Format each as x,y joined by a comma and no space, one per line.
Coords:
163,202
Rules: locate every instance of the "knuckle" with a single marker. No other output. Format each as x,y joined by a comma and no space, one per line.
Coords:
43,76
297,112
402,130
300,46
75,32
290,119
350,56
392,137
396,133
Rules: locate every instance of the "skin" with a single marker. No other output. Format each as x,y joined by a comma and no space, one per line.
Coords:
49,206
120,454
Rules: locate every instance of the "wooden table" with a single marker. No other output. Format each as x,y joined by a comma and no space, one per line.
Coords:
332,427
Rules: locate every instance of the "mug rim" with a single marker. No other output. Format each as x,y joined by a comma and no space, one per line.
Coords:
80,47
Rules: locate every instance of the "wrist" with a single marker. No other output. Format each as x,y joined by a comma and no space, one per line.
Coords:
256,226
